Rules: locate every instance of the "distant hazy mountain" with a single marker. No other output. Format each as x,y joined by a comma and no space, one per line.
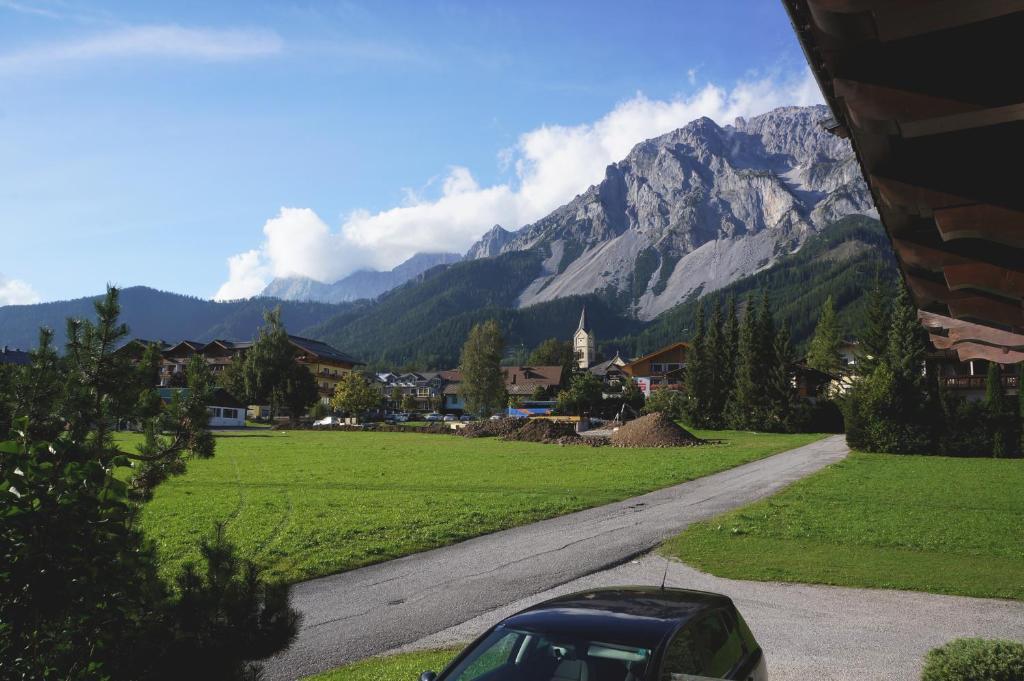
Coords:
693,210
359,285
158,315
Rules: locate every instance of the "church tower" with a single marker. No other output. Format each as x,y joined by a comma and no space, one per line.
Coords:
584,343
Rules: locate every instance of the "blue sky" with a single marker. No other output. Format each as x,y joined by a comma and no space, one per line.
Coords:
206,147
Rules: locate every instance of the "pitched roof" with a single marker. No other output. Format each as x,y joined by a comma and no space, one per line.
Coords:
546,376
12,356
323,350
659,351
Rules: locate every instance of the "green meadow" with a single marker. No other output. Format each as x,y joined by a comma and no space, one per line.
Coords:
924,523
304,504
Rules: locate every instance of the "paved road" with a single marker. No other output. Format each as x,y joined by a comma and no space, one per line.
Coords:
809,632
378,608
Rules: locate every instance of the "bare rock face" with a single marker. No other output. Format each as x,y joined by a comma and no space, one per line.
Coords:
490,244
693,210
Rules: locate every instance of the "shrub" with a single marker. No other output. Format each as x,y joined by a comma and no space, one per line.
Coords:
670,402
975,659
823,416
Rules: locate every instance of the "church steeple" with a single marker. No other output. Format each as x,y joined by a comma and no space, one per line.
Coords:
583,321
584,343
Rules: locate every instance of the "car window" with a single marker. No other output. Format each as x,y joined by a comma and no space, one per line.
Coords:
491,658
720,643
682,657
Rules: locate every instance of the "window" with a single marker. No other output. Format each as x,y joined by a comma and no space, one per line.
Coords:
229,413
422,392
509,655
720,641
214,412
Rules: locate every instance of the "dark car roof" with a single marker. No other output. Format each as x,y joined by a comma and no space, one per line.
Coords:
629,615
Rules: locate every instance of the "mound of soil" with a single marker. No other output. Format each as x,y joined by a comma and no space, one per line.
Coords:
548,432
490,428
653,430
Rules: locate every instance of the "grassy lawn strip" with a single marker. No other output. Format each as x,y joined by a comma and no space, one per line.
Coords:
953,526
304,504
402,667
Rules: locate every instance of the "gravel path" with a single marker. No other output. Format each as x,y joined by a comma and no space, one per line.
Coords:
808,632
378,608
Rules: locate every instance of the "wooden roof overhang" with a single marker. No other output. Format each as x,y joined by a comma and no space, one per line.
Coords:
930,94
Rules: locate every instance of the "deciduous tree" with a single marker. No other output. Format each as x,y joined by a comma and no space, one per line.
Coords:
483,383
354,395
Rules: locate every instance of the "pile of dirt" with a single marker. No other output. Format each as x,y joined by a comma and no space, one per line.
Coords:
653,430
488,428
548,432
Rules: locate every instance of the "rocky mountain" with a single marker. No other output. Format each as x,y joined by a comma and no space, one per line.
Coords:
490,244
362,284
692,211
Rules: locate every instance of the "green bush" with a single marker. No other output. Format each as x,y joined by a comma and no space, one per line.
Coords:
975,659
671,402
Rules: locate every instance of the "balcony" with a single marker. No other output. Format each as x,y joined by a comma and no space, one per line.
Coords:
975,382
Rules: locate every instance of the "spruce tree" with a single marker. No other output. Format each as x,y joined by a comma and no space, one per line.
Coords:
483,383
744,405
781,397
719,382
728,353
697,388
874,337
996,409
823,353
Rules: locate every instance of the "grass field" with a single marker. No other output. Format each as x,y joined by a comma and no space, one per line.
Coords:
403,667
924,523
304,504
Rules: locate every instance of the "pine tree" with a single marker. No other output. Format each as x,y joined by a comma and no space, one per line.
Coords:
823,353
719,378
697,388
874,337
781,397
744,405
996,409
728,353
483,384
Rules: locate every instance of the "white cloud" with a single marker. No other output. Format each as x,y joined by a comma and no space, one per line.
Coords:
167,41
16,292
552,164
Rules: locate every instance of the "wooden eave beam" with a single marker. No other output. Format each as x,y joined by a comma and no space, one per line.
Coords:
958,331
969,351
987,310
885,20
981,221
985,277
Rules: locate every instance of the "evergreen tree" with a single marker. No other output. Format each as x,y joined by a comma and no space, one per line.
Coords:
781,394
874,337
80,595
36,390
996,411
729,353
554,352
483,383
745,402
719,374
698,388
823,353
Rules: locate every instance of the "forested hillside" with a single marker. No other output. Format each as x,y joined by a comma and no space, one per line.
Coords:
156,314
841,262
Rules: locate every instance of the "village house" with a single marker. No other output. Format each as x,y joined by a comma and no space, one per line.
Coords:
522,383
662,369
224,410
13,356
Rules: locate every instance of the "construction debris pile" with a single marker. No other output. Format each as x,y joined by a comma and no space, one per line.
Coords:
653,430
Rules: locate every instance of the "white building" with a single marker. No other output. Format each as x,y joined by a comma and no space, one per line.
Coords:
584,343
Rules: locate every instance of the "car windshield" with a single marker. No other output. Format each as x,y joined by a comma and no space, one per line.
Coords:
511,655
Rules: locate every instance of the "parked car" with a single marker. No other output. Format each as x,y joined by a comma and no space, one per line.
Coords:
467,417
399,417
433,417
617,634
328,421
497,417
450,417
